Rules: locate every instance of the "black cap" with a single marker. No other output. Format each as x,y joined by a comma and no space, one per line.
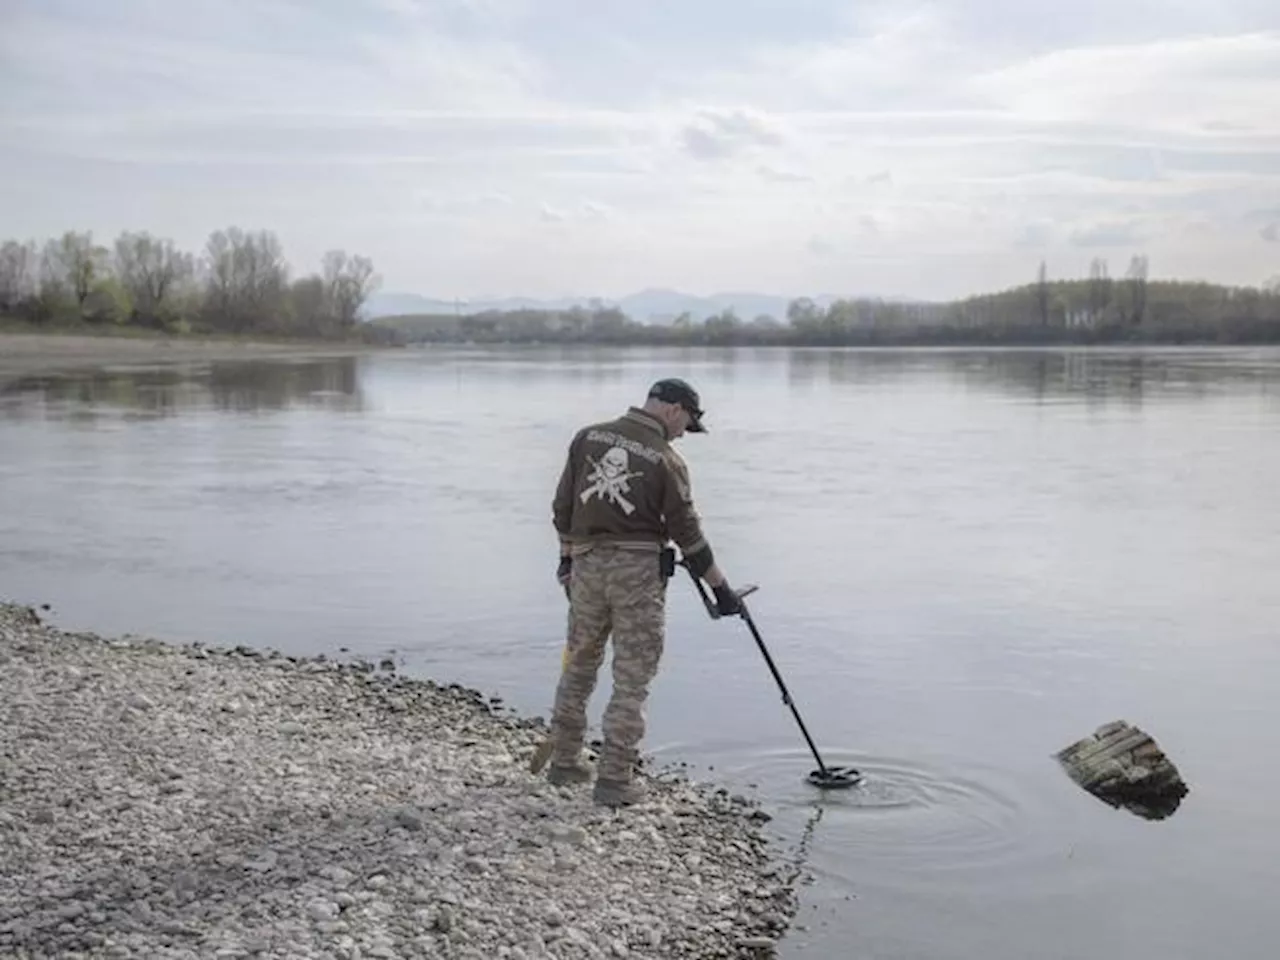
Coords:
675,390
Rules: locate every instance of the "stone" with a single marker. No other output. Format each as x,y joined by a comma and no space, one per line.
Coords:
322,910
1123,766
408,819
256,808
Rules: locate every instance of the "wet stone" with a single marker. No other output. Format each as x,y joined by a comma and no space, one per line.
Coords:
1124,767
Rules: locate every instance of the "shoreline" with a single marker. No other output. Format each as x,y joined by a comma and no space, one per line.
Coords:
190,801
26,353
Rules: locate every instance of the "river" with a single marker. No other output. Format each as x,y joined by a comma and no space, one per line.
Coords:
966,560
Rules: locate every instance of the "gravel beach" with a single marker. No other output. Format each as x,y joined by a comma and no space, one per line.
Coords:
159,801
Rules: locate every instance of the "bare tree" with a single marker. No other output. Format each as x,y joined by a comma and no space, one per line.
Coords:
1042,294
247,279
150,270
221,283
1099,290
307,298
348,281
1137,289
19,273
74,264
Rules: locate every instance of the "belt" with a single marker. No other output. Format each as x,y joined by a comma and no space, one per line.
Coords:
639,546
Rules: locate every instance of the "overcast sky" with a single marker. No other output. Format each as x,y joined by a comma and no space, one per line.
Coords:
546,147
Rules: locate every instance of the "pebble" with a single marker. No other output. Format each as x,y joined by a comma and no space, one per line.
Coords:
322,909
197,802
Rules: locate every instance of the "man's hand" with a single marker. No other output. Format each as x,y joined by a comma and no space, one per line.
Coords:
727,602
562,572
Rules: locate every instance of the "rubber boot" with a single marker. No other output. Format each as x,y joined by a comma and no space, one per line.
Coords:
615,782
565,774
618,793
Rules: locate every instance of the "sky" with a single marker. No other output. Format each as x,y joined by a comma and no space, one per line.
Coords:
478,148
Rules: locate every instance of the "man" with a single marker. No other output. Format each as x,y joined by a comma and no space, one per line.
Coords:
623,494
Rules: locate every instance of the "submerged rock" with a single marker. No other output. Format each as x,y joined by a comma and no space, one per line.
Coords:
1124,767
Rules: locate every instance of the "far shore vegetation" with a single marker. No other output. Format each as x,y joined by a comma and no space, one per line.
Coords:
1100,309
240,286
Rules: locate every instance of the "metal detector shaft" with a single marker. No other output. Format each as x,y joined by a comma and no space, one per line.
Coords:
786,696
746,615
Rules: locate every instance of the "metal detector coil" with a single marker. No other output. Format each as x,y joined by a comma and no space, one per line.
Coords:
834,778
824,778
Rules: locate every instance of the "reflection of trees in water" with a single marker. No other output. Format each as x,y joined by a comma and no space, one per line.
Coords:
574,364
1048,375
330,384
243,386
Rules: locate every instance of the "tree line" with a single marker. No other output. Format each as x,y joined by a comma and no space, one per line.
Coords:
1098,309
239,283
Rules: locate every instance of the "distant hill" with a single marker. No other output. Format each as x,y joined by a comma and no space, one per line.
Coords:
645,306
1093,311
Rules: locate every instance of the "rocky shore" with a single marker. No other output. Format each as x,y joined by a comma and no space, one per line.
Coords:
159,801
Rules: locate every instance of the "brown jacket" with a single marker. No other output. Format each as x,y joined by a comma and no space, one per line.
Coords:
623,482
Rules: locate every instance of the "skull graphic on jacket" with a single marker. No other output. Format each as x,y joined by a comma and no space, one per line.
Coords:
610,478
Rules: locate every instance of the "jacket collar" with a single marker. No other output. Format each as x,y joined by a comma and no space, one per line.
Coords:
636,415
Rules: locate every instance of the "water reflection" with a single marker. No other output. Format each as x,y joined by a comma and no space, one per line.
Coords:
558,364
1094,376
1127,376
1160,808
331,384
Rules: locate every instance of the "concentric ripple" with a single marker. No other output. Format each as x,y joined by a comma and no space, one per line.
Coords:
912,821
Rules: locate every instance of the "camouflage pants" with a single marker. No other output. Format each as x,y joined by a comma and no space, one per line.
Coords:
619,591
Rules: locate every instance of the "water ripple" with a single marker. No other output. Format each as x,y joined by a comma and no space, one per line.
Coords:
916,820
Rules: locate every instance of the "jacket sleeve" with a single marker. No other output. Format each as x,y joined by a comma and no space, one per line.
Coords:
684,526
562,503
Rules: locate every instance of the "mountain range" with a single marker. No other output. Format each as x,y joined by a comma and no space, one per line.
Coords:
644,306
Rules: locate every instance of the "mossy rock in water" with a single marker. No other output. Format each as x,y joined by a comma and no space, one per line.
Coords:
1124,767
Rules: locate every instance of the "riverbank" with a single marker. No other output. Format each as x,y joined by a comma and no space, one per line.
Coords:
25,353
161,801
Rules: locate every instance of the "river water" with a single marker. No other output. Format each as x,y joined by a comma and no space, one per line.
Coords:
966,561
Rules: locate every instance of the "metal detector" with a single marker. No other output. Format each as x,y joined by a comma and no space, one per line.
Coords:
825,778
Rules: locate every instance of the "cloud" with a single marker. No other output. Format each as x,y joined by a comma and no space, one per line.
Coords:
774,175
1190,84
717,134
1034,236
206,58
889,59
437,138
1271,232
550,214
591,210
461,204
805,145
821,247
1115,234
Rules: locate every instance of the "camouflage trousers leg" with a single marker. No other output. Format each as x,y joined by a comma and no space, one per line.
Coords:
590,621
619,591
